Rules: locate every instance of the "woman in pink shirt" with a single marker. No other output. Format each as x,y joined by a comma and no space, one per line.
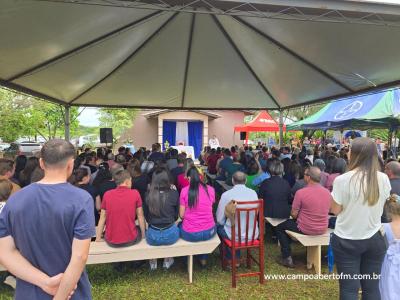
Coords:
196,202
339,167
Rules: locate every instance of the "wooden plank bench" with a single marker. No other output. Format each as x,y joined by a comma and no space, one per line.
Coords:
274,221
224,186
313,245
101,253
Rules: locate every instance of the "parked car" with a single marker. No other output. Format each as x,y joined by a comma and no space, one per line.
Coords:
4,146
25,148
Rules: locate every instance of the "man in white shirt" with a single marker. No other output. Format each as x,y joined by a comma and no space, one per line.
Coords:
213,142
239,193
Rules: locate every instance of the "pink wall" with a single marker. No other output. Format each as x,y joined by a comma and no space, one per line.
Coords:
144,132
223,127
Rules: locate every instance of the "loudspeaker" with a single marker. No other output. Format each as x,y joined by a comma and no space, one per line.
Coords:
106,136
242,135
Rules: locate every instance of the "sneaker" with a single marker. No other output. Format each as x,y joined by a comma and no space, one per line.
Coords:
153,264
287,262
10,280
168,262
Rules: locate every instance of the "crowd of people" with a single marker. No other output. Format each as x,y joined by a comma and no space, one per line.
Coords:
161,196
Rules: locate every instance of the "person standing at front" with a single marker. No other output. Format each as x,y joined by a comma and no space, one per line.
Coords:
49,225
358,242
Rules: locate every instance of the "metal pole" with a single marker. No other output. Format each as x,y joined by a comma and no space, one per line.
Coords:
280,129
67,123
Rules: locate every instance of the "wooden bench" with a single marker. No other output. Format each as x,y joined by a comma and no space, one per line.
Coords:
101,253
224,186
274,221
313,245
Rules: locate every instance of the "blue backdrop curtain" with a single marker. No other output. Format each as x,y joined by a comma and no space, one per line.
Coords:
169,133
195,130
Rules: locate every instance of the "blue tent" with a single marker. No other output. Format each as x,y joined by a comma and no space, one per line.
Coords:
378,110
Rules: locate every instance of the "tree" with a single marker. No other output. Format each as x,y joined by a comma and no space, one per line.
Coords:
12,122
117,119
25,116
300,113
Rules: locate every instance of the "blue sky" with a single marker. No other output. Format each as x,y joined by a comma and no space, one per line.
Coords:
89,117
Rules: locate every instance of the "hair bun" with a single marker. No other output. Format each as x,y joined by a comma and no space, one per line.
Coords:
394,198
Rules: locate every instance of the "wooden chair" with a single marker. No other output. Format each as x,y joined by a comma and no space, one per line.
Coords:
249,243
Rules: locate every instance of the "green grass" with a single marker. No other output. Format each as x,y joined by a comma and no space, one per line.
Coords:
208,283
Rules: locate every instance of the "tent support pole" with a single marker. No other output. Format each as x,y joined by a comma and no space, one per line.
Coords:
280,129
389,147
341,138
395,144
67,123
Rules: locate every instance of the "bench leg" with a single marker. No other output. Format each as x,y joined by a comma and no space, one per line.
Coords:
314,258
190,268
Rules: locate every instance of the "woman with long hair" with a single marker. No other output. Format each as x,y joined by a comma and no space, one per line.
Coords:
196,202
20,163
80,178
253,170
338,168
25,175
358,242
162,203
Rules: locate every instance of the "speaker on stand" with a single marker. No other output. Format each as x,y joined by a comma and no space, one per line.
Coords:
242,135
106,136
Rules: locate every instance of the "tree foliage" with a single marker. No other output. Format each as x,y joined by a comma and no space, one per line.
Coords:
117,119
24,116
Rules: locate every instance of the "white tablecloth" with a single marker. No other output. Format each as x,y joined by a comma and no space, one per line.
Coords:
189,150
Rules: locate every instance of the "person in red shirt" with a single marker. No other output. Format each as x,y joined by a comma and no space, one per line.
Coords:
119,209
310,211
212,162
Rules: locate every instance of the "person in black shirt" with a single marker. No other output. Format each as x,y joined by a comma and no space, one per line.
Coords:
91,163
276,192
140,181
104,180
163,208
156,154
80,178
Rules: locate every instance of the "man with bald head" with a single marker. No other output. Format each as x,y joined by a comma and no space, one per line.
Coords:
310,211
238,193
392,170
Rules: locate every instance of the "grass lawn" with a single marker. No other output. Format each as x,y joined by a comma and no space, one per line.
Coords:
208,283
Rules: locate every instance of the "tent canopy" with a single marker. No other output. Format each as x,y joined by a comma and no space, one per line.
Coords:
263,122
197,54
379,110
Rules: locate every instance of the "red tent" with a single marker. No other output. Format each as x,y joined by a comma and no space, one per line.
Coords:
261,123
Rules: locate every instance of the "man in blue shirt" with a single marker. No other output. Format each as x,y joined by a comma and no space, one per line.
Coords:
223,164
45,230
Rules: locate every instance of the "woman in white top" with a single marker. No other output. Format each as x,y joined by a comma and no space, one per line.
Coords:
358,200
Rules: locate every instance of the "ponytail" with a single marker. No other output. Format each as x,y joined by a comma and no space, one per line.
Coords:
194,187
392,206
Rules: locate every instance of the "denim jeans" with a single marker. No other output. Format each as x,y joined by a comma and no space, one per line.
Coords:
198,236
359,257
169,236
222,234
